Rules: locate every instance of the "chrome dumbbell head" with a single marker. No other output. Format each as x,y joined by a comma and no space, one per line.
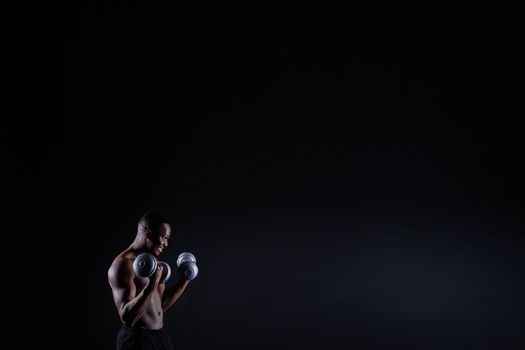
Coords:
167,268
190,271
186,257
145,265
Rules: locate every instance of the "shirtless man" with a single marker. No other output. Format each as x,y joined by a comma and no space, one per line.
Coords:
141,302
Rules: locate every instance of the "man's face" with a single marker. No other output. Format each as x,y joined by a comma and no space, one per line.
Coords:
159,239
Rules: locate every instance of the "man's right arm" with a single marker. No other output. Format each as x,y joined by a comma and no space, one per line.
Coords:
131,307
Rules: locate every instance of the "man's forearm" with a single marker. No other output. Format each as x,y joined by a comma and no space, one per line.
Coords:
171,295
135,308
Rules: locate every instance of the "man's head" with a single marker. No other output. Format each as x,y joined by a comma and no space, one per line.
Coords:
154,231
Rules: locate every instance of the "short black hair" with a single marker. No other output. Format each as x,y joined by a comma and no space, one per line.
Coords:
151,220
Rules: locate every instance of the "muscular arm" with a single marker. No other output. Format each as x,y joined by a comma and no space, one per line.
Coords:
171,295
131,307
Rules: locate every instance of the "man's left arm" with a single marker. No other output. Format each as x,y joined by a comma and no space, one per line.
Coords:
172,294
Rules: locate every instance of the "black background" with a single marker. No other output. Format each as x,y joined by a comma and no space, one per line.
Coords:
349,175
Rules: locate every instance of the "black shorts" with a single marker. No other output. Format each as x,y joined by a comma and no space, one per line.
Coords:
143,339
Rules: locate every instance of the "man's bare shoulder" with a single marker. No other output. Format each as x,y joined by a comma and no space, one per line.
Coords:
121,266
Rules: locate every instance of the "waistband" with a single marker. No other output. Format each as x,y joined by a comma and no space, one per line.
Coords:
143,330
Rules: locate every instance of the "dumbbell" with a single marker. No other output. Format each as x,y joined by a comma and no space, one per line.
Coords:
145,265
187,264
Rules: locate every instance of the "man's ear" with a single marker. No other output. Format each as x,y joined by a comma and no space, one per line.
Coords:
148,234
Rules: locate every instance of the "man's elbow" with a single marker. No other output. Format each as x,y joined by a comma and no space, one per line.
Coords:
127,318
